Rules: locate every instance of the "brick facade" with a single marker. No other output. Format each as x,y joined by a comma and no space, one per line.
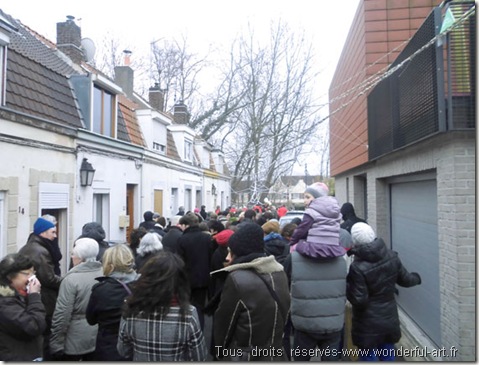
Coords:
452,157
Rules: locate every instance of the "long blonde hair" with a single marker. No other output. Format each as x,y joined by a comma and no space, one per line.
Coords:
118,258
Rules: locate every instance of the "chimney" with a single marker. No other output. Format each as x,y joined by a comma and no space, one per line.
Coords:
69,39
124,75
180,114
156,97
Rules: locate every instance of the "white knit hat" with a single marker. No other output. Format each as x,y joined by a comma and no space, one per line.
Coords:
362,233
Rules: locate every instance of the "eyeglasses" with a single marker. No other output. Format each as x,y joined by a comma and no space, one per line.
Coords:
27,273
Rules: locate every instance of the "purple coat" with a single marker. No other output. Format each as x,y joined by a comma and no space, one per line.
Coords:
318,234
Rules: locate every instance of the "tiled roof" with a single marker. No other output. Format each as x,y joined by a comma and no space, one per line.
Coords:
41,92
171,150
37,83
37,48
132,128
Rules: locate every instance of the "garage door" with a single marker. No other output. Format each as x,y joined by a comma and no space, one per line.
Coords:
415,238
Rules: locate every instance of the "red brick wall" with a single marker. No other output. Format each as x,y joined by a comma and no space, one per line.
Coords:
378,28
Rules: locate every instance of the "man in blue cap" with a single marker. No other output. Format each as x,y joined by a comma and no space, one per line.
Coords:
39,250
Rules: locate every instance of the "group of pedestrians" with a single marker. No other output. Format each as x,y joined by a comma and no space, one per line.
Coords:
146,300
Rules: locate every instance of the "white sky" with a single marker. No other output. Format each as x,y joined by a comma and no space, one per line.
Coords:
204,22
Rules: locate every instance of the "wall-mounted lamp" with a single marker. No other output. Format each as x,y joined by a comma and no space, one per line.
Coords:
86,173
213,189
138,164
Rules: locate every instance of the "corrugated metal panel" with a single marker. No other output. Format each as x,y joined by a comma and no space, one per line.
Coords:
414,236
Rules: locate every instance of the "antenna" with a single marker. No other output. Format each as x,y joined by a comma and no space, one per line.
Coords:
88,48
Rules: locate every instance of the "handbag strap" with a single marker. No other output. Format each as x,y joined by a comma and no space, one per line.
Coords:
273,294
128,290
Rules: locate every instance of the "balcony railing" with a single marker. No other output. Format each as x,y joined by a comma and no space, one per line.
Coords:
430,87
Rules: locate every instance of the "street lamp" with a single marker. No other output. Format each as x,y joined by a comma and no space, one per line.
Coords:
86,173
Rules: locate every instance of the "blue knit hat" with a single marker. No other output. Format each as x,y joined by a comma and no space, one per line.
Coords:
42,225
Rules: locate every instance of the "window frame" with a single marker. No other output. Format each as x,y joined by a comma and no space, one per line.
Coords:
99,106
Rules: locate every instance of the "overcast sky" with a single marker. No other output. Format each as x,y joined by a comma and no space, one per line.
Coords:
205,22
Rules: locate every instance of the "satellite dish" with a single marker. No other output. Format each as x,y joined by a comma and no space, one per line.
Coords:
88,48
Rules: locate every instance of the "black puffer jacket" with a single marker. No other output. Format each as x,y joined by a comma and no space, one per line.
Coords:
371,283
22,322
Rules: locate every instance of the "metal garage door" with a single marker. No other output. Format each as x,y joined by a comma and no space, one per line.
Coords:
414,236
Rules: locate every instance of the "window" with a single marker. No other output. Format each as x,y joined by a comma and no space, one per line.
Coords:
188,150
159,147
104,115
101,211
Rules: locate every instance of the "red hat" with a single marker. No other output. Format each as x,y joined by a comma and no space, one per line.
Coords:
223,237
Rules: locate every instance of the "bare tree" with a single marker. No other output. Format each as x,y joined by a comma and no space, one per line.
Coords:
277,113
112,54
262,111
175,69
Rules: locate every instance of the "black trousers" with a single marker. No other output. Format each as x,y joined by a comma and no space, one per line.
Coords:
198,299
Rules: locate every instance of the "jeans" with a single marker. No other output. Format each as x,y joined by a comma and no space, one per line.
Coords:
305,344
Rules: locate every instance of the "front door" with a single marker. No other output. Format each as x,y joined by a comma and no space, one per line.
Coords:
130,209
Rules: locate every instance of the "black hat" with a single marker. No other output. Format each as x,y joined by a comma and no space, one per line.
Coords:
247,239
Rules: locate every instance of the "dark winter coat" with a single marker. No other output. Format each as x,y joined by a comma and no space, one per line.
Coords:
194,246
157,228
349,217
371,283
38,249
217,263
248,316
170,239
105,308
140,261
22,323
276,245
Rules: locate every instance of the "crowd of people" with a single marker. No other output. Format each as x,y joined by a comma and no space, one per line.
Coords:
262,284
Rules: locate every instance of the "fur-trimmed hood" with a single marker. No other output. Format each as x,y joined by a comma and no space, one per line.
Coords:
262,265
6,291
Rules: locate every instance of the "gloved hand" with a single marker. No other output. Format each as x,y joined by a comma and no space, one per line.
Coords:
418,277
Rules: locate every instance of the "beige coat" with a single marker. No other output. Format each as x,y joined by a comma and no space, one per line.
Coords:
71,333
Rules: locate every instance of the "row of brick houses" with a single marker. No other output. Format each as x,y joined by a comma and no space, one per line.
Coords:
61,118
403,150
